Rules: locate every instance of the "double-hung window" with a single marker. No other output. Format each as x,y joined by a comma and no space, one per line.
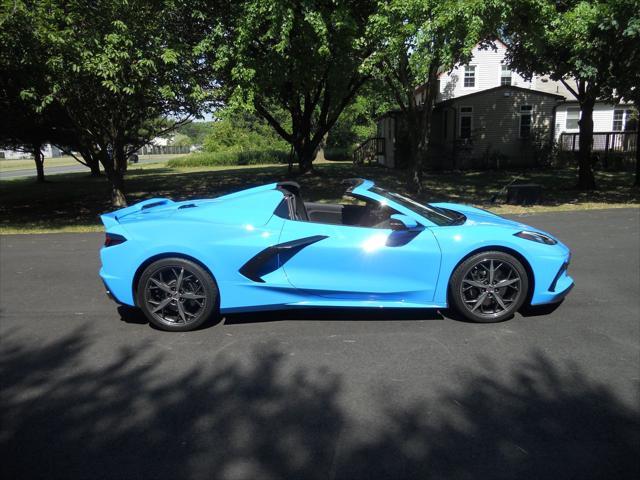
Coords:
620,119
470,76
505,75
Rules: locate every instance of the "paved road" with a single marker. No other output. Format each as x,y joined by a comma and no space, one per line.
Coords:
31,172
91,392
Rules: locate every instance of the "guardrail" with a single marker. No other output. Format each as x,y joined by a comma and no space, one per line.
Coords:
163,150
619,142
369,150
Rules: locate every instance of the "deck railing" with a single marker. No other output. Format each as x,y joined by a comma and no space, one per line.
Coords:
614,142
369,150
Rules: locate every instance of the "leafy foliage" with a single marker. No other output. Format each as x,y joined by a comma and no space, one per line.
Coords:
422,37
358,121
303,58
591,47
116,67
242,131
196,131
181,140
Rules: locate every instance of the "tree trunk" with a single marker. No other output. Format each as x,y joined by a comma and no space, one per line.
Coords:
415,157
116,180
586,179
115,177
95,169
306,153
120,158
318,154
38,157
305,163
423,145
92,161
637,184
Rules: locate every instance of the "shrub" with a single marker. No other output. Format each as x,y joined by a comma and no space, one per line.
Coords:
242,131
337,153
230,158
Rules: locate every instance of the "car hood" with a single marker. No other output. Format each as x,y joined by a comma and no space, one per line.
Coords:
478,217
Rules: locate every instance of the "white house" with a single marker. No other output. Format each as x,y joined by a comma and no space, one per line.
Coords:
486,114
606,118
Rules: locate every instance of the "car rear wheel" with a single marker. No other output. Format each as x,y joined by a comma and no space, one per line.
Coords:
177,295
489,287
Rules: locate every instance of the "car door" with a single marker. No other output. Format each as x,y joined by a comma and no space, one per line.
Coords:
361,263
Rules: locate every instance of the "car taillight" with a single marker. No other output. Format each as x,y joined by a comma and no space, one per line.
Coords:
113,239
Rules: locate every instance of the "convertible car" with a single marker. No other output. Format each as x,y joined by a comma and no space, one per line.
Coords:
265,248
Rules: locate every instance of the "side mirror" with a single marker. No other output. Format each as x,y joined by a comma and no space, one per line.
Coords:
402,222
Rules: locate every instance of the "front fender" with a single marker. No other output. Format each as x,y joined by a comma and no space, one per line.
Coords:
458,243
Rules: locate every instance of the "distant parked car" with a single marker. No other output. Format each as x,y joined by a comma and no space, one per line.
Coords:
133,158
265,248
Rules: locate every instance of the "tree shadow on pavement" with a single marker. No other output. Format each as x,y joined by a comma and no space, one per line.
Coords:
65,415
541,422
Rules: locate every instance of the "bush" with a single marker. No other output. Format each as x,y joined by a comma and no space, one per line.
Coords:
230,158
337,153
242,131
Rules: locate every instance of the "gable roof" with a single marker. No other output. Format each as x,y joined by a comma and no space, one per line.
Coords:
500,87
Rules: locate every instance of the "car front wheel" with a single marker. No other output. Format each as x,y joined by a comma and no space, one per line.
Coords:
176,294
489,287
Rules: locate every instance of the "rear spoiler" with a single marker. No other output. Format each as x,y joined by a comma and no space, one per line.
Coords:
113,218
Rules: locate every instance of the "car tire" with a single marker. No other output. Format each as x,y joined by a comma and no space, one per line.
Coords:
488,287
177,295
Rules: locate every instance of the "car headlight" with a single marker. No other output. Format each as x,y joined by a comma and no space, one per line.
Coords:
536,237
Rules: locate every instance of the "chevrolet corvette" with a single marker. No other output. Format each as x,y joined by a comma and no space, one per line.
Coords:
265,248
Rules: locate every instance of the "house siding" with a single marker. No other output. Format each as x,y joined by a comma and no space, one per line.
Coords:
488,63
386,129
543,83
495,128
496,117
602,117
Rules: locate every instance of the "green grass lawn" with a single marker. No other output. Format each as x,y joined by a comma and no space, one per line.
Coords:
24,164
27,164
72,202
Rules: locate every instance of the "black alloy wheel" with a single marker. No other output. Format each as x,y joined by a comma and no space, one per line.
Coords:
489,287
177,295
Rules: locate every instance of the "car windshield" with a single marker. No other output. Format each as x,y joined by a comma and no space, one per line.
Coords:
437,215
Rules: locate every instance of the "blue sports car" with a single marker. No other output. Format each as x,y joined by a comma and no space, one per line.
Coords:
265,248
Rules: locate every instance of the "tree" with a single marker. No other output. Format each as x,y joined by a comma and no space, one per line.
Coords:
24,129
423,37
620,33
303,58
565,39
122,71
196,131
23,126
358,121
239,130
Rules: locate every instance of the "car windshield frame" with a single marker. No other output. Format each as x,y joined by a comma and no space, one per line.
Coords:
438,216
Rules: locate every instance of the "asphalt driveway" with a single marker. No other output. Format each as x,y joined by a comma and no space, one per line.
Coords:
90,391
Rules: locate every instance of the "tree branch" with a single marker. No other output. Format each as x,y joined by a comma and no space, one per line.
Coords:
568,87
70,153
262,111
